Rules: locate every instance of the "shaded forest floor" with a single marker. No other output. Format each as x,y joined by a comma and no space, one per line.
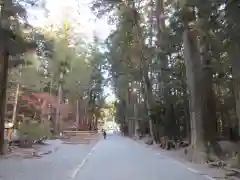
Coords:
37,150
179,156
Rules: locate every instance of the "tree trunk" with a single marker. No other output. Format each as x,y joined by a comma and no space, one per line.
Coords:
161,44
15,106
128,107
3,90
149,99
147,88
208,97
77,115
193,71
234,58
57,128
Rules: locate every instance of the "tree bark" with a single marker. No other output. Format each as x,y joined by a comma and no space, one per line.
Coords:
148,98
208,96
234,58
77,115
57,128
15,106
193,72
3,90
162,77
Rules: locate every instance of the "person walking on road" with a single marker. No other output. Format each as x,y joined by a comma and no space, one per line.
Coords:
104,134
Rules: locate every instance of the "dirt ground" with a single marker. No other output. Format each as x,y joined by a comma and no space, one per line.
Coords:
36,151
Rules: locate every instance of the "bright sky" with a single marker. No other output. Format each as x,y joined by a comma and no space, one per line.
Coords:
78,12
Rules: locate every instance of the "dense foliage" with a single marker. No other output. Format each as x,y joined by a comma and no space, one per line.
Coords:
50,75
174,68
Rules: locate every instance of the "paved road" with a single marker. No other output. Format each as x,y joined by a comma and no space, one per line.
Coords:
120,158
55,166
116,158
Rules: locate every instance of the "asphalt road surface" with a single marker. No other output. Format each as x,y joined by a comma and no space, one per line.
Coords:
120,158
55,166
115,158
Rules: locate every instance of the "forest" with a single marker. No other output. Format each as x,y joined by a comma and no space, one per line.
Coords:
172,64
51,76
175,71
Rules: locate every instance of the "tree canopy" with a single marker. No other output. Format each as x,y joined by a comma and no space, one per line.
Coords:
174,70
